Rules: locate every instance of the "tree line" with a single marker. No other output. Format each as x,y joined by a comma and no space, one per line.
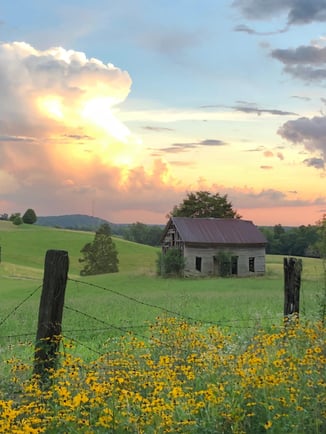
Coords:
294,241
29,217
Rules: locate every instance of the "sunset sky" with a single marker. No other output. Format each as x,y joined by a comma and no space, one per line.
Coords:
117,109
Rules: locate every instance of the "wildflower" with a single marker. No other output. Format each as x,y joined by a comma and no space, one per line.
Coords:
268,425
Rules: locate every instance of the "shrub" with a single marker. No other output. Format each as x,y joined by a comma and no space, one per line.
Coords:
171,263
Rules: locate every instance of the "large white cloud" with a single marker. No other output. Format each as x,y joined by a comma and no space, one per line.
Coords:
63,79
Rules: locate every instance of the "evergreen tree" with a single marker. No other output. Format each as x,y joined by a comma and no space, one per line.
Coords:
101,255
29,216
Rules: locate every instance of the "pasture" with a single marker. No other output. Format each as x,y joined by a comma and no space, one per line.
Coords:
153,326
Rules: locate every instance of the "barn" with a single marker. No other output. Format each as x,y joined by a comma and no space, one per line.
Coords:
216,246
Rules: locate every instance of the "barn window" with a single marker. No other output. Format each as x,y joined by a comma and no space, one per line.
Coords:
252,264
198,263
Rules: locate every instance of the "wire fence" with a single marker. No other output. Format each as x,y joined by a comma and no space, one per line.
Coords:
136,329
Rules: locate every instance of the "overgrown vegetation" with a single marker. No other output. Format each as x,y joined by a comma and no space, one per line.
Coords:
170,263
224,263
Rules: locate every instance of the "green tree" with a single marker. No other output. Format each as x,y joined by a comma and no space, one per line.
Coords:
17,220
13,216
143,234
205,204
29,216
101,255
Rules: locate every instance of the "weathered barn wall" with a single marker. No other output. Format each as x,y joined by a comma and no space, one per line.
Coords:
249,261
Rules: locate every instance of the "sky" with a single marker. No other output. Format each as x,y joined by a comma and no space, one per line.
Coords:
119,109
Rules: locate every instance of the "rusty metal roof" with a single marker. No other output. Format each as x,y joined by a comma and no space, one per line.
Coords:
217,231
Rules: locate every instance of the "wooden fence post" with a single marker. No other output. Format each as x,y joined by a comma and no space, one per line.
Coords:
292,282
50,312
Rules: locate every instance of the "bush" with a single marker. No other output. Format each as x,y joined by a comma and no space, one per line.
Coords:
171,263
17,220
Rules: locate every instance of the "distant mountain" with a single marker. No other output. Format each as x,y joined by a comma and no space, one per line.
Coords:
79,222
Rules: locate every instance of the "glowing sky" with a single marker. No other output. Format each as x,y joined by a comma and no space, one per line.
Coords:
119,108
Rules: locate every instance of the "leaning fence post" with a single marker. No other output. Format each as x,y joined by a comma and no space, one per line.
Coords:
292,282
50,312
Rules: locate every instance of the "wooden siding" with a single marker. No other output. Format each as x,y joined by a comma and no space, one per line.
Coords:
209,265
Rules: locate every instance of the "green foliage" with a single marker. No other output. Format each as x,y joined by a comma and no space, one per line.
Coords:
301,241
101,255
13,216
29,216
171,263
17,221
143,234
322,250
205,204
224,263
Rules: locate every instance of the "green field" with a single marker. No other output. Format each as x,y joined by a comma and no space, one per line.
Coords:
144,354
114,303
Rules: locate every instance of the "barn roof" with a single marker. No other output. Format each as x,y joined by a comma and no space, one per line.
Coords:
217,231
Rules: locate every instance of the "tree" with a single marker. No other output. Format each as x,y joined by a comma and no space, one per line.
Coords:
101,255
13,216
205,204
29,216
17,220
144,234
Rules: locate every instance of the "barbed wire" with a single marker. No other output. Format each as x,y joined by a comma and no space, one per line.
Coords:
230,323
169,311
19,305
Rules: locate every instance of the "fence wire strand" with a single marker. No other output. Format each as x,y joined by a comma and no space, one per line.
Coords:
19,305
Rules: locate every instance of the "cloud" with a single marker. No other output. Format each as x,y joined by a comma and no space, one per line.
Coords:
182,147
248,107
303,98
39,87
157,129
301,55
259,111
62,144
298,11
311,133
268,154
246,29
318,163
266,167
307,63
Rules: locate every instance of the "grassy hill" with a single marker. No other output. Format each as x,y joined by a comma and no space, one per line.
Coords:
24,247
